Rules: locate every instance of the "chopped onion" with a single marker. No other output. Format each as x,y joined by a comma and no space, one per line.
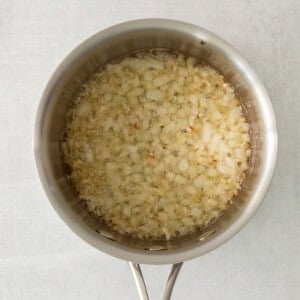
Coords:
157,144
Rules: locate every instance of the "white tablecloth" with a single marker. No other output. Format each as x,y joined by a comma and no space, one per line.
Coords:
40,258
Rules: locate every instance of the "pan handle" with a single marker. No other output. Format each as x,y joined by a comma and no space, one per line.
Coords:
171,281
140,283
139,280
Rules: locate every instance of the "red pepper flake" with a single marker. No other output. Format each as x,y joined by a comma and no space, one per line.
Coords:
136,125
193,129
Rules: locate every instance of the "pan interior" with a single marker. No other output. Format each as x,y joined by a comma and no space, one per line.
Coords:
82,63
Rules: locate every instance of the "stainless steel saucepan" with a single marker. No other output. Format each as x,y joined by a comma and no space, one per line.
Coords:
118,41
